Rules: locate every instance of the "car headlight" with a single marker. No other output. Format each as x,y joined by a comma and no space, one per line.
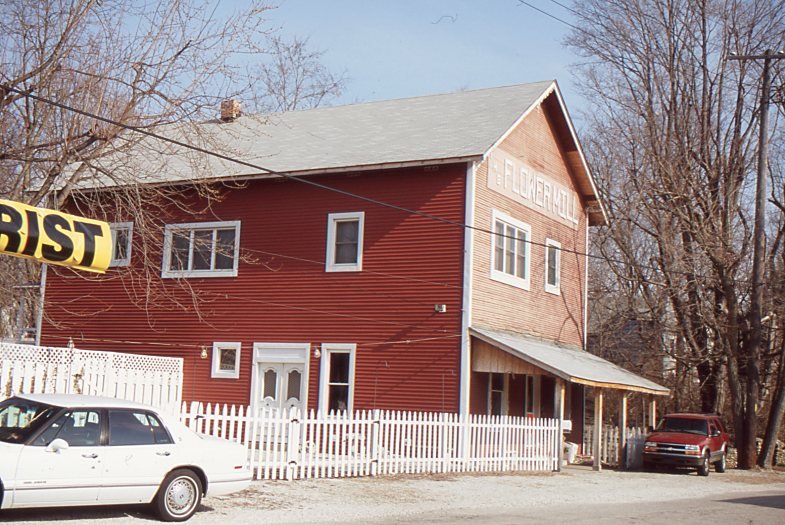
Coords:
692,450
650,446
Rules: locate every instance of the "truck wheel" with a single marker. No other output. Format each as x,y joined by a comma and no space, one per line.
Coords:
179,495
721,465
703,470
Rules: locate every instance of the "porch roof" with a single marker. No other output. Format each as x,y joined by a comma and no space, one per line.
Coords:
569,363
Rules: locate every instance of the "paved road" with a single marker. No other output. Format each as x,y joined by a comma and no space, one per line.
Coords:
574,496
753,508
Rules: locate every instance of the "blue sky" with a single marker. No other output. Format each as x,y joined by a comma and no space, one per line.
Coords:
401,48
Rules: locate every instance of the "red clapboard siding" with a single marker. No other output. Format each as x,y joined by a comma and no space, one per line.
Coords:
410,263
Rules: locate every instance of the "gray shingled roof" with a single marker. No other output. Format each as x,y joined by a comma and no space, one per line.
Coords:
570,364
453,126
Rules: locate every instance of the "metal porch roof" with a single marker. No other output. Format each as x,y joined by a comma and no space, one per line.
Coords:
569,363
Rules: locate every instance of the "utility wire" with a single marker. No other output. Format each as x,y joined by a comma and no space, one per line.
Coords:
309,182
546,13
268,171
200,345
565,6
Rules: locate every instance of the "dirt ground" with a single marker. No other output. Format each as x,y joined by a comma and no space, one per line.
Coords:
405,498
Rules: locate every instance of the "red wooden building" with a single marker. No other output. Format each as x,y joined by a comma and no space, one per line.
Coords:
468,294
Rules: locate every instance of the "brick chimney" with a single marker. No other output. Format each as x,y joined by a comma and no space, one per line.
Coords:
230,109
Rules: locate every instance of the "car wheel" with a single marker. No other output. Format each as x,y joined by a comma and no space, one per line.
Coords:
703,470
179,495
721,465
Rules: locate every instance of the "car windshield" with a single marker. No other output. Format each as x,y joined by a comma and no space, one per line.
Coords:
683,424
21,418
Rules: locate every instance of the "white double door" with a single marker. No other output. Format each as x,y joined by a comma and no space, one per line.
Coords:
280,375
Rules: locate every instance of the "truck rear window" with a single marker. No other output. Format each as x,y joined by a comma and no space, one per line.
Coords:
679,424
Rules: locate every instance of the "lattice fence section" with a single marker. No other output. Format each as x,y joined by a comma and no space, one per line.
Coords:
36,369
289,444
611,452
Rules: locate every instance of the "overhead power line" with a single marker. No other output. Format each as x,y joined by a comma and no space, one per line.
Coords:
267,171
312,183
546,13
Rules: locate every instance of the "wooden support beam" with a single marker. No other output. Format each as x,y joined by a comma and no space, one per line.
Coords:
623,432
559,395
653,411
597,445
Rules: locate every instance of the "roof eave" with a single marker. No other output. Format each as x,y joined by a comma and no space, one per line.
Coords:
563,375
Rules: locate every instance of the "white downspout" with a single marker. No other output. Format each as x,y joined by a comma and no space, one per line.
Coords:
468,265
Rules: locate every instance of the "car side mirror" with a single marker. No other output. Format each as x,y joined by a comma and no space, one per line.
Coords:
715,433
57,445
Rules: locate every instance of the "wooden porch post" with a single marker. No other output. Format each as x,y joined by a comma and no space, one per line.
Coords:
597,445
653,411
559,394
623,432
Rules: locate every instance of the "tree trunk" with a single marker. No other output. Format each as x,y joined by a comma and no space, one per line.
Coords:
766,459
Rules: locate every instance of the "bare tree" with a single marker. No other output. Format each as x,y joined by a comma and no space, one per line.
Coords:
295,77
151,64
673,131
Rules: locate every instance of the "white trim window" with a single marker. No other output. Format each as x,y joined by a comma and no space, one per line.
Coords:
122,234
552,266
201,249
345,242
226,360
336,391
510,251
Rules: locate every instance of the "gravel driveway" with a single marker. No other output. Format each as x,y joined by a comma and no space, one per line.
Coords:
368,499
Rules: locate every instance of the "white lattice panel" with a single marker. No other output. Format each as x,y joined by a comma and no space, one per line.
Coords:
35,369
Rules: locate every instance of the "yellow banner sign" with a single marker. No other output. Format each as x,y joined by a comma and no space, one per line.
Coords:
53,237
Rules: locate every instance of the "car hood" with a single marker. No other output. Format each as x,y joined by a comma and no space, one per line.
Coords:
680,438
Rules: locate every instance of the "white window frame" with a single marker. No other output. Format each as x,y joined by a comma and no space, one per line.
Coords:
324,373
113,228
553,288
216,368
332,221
197,226
501,276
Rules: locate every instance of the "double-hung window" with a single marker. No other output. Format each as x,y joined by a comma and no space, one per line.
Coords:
122,233
204,249
345,242
337,377
511,248
552,267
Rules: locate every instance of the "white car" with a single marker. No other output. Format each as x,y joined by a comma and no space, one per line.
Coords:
65,450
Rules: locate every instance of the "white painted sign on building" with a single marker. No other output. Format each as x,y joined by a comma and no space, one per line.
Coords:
535,190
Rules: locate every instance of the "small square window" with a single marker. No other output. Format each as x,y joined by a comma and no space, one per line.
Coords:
345,242
552,267
122,233
226,360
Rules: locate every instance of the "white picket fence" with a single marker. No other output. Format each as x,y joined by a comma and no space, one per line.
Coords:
610,446
37,369
288,444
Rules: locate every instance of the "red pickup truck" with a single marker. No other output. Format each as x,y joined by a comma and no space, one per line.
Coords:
687,440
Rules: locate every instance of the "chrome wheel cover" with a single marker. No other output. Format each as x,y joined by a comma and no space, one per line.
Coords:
181,496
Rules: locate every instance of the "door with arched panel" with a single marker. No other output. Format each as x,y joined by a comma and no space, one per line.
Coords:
279,376
281,385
